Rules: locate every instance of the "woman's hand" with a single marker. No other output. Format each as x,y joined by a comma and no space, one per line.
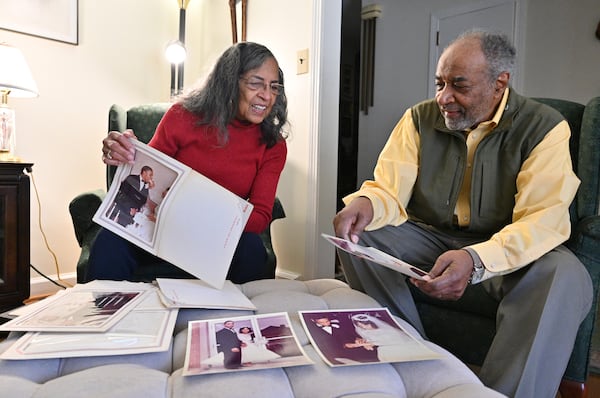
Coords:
117,148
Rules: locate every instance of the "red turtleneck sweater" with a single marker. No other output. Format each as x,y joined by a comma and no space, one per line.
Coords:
243,165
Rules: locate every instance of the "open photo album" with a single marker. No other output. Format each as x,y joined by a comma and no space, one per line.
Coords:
175,213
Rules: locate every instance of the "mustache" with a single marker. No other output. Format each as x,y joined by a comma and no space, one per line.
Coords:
451,109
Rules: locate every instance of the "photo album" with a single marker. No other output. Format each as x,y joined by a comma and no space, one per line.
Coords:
175,213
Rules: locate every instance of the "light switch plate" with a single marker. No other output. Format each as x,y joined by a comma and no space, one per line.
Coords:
302,62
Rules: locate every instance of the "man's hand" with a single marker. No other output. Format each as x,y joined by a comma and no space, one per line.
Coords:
449,276
117,149
349,222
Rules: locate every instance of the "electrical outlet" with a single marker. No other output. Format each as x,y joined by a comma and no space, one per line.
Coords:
302,62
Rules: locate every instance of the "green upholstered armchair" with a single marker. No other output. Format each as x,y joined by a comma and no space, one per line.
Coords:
143,120
466,327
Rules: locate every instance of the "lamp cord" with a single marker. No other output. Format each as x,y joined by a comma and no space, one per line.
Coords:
47,277
64,284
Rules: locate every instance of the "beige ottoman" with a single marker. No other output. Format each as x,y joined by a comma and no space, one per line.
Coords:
160,374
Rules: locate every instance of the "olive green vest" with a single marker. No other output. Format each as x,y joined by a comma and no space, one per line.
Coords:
496,164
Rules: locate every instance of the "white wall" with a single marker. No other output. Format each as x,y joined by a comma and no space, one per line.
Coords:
119,59
560,58
285,36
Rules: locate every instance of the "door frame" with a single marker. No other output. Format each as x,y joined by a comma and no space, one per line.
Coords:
436,16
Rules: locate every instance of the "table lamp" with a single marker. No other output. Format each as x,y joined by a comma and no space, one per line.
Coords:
16,81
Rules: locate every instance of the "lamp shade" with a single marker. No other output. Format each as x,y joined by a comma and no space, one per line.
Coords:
15,75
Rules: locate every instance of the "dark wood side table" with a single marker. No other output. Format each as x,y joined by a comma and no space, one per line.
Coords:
14,234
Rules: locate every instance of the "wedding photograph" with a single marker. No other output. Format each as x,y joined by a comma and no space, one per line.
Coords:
242,343
361,336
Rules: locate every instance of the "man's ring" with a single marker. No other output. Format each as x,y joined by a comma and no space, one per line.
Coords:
108,154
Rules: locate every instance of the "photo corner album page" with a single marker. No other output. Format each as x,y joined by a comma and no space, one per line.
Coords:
175,213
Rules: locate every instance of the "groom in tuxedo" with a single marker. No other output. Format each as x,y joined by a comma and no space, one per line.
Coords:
334,336
132,195
229,344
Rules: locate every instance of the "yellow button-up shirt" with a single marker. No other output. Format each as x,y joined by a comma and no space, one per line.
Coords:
546,185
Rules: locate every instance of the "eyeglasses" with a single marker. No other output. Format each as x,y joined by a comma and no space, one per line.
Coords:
256,84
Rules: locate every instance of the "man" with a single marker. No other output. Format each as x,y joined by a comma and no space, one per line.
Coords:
335,339
476,185
229,344
132,195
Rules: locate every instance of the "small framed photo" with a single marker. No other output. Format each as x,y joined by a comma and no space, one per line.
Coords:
54,20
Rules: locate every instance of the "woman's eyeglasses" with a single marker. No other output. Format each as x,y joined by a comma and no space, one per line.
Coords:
256,84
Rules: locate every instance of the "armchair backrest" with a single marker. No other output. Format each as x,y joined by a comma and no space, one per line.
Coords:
584,121
142,119
589,160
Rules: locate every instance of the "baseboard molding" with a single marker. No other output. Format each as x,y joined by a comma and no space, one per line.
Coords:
285,274
42,286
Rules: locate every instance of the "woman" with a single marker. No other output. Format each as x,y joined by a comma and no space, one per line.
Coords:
254,349
229,130
392,343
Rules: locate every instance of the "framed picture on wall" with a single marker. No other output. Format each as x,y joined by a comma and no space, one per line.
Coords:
54,20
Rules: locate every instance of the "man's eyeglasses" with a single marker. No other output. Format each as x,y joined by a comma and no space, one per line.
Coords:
255,84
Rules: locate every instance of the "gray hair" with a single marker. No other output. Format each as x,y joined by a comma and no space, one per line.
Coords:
216,102
497,50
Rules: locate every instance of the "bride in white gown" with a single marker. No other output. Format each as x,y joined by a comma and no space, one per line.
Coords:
254,349
392,343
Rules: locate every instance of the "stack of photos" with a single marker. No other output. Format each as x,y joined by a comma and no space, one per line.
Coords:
78,310
96,319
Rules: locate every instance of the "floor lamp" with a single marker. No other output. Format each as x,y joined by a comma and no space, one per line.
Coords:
176,52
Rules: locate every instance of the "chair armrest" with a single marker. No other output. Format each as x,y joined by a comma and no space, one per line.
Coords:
82,209
278,211
276,214
585,243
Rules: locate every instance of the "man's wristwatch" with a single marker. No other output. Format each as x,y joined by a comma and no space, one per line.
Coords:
478,268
